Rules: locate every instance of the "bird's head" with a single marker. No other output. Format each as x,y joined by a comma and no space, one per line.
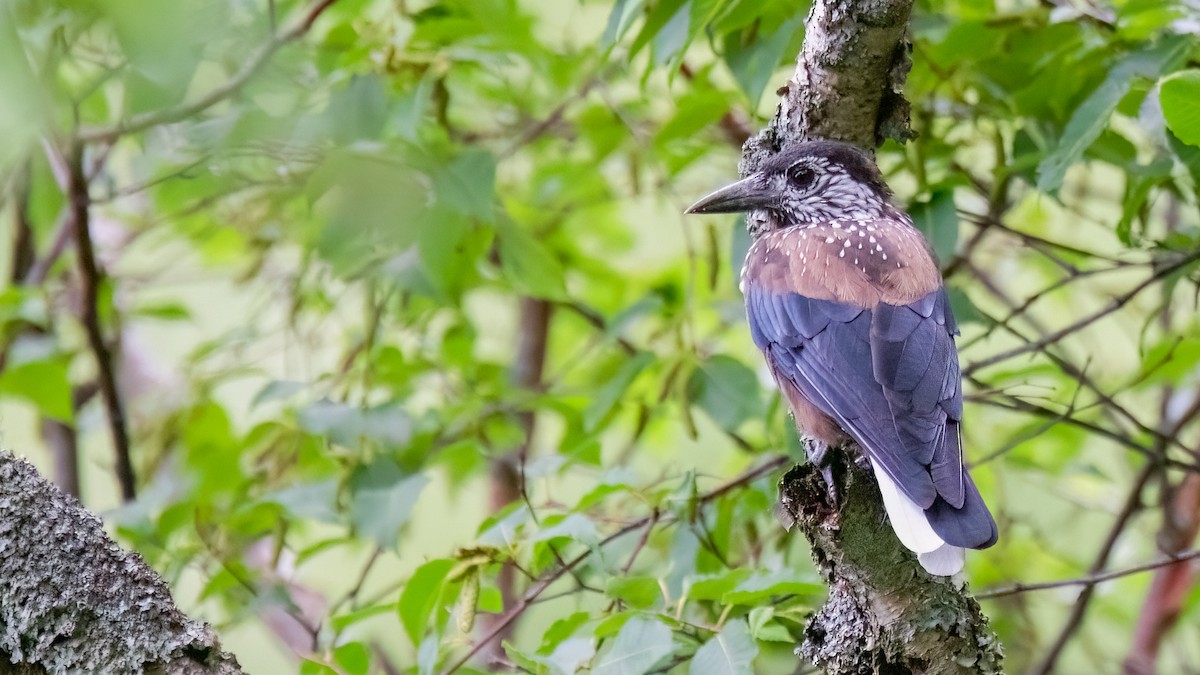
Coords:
807,183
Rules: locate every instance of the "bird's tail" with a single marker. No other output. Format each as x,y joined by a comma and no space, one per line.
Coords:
939,534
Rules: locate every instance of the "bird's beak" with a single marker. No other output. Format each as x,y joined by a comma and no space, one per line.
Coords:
744,195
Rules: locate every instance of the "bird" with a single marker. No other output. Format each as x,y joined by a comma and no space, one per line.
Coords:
845,299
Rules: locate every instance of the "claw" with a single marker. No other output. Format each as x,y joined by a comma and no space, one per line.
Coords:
819,456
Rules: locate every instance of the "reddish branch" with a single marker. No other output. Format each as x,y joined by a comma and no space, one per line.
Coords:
508,472
1172,583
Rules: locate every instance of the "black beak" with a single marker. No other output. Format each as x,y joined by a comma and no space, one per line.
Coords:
744,195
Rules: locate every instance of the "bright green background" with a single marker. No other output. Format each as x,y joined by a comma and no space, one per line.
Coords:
316,284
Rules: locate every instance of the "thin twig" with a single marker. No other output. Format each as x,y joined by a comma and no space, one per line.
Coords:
1090,579
1117,303
539,587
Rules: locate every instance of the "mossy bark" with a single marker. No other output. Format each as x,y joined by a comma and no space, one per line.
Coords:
884,613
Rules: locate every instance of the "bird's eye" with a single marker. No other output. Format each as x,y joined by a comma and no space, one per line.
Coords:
801,176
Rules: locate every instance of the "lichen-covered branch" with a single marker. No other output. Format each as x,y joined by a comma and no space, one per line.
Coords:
848,82
884,613
72,601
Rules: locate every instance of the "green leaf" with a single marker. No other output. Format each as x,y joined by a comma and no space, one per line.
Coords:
382,496
754,62
576,527
937,219
44,383
353,658
764,629
560,630
727,390
715,587
529,265
1139,181
468,184
762,586
641,645
964,310
1179,95
276,390
623,14
570,656
605,399
420,595
343,621
349,425
639,592
312,501
308,667
1091,117
166,311
358,110
730,652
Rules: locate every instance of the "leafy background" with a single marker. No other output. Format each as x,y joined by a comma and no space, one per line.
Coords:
406,324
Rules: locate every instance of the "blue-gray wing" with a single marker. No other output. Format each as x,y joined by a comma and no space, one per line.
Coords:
889,377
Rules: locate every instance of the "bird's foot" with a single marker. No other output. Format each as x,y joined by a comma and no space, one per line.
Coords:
820,457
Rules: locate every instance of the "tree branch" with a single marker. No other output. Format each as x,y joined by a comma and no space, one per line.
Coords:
884,612
508,471
255,63
72,601
1132,505
90,280
1089,580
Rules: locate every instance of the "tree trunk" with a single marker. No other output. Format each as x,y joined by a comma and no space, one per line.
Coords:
72,601
884,613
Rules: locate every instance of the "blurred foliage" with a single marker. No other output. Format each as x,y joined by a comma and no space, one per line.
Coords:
324,283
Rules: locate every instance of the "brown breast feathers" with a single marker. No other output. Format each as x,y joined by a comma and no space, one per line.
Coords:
856,262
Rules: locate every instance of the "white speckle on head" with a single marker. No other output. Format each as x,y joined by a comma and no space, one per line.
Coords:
828,240
842,253
885,258
860,247
872,239
847,244
835,225
878,247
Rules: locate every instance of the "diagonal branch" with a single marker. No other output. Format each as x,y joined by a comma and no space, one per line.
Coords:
1162,272
1090,579
260,58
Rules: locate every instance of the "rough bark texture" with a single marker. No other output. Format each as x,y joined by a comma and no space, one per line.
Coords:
72,601
884,613
849,80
